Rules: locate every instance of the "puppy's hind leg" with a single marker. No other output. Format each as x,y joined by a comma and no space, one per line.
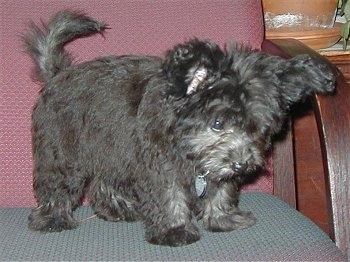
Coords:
221,213
58,192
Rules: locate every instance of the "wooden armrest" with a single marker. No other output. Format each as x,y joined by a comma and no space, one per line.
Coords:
333,120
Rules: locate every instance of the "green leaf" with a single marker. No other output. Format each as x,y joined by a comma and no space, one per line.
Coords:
340,3
345,30
345,43
347,11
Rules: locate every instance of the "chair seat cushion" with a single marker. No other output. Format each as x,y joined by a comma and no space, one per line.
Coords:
281,233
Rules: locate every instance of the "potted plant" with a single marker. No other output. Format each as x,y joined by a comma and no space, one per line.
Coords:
311,21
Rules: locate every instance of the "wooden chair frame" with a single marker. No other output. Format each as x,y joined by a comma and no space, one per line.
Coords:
332,115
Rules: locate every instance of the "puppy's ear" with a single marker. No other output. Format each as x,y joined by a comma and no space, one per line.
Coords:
176,66
188,66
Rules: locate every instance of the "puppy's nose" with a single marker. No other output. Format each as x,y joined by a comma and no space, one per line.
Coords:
239,167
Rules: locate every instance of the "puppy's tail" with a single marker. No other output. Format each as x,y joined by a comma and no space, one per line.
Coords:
45,46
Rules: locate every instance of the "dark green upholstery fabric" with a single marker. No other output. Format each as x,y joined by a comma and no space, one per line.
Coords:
281,233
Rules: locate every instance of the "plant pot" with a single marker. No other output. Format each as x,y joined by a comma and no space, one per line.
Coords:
310,21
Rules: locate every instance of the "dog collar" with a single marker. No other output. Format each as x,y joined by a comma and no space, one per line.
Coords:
200,184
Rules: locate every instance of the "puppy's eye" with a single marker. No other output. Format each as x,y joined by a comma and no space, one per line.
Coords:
217,125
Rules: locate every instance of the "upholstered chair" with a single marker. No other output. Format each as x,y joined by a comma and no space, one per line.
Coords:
150,27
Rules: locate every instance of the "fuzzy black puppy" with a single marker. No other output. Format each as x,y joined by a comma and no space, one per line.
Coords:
161,140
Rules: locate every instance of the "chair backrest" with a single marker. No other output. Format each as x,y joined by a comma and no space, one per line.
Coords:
137,27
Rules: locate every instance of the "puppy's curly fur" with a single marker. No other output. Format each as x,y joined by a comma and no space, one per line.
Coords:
137,133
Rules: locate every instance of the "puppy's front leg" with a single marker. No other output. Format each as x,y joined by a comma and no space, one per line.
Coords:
168,217
220,212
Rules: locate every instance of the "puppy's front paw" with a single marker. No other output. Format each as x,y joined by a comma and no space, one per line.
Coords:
177,236
229,221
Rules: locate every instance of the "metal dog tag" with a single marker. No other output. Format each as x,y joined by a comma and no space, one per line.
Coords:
201,185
